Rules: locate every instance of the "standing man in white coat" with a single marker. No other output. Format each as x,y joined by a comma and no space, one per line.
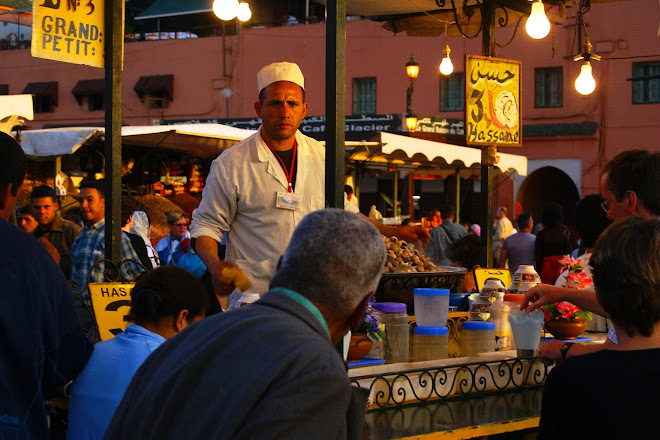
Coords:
261,188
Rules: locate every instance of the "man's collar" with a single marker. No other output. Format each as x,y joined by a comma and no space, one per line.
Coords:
98,225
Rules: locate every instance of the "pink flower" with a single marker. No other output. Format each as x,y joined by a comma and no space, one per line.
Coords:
568,261
566,309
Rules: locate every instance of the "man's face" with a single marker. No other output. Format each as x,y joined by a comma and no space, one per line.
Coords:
616,210
282,110
92,205
44,209
498,213
27,223
179,228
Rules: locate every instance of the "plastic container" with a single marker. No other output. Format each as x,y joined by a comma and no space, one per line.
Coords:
460,301
246,299
477,337
397,335
430,343
499,315
431,306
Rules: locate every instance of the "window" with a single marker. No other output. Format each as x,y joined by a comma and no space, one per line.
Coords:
548,87
646,82
156,90
4,89
364,96
90,94
45,96
452,92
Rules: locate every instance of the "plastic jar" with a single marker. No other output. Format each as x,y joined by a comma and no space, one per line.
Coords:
431,306
430,343
477,337
394,317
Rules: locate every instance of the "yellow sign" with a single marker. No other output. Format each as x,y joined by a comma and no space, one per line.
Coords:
111,302
482,274
71,31
492,102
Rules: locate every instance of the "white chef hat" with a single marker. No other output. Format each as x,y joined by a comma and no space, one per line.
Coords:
283,71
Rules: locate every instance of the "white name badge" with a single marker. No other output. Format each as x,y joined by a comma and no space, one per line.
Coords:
287,200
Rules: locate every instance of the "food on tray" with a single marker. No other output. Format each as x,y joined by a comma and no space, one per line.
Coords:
404,258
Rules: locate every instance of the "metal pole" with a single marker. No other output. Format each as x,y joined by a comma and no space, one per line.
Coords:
395,190
411,193
114,48
487,168
457,217
335,96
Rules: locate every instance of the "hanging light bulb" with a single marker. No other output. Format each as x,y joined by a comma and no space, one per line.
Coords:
446,66
537,25
225,9
244,12
585,82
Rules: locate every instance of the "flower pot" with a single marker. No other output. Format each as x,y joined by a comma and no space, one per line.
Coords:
359,346
563,329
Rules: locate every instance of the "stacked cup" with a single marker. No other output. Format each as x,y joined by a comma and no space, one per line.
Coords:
431,333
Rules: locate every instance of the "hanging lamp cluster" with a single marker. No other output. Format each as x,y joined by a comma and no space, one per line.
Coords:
230,9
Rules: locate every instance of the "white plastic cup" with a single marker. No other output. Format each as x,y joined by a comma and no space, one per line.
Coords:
526,329
431,306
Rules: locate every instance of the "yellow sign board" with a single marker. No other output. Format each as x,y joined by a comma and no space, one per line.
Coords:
71,31
492,102
111,302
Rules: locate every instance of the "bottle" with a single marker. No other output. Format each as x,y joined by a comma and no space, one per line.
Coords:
499,315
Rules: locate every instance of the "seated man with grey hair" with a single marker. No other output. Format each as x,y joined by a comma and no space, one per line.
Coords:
172,247
268,370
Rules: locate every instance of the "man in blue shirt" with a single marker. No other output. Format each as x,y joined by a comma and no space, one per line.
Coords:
43,346
89,246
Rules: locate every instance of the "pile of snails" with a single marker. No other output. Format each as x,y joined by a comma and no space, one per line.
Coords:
404,258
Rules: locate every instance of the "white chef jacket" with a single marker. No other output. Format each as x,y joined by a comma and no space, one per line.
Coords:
240,199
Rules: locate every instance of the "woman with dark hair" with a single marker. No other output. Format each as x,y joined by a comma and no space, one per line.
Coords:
464,252
552,243
164,300
620,383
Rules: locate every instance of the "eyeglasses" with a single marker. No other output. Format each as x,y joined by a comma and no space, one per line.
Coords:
179,225
606,206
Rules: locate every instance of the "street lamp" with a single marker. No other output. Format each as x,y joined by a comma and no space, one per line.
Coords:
412,70
230,9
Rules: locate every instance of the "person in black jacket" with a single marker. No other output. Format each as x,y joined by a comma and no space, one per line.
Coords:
43,346
137,241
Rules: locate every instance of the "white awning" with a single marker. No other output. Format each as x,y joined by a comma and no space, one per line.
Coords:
206,140
429,157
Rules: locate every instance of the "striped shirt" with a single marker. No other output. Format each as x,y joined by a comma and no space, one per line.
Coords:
89,247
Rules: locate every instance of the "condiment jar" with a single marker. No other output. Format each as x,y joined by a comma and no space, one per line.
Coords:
430,343
394,317
477,337
524,279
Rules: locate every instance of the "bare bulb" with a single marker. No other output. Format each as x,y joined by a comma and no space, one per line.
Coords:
446,67
244,12
585,82
537,25
225,9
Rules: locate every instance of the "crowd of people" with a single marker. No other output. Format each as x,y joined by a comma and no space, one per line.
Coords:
271,369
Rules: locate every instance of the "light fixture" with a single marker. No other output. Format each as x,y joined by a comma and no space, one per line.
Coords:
585,83
446,66
411,122
537,25
225,9
244,12
412,68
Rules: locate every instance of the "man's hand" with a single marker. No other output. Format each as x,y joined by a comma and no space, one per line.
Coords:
411,234
51,249
540,295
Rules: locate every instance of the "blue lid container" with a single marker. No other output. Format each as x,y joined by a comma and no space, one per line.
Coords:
430,291
433,331
479,325
389,307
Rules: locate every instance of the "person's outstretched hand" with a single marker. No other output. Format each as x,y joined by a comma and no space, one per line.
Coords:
226,277
412,234
539,296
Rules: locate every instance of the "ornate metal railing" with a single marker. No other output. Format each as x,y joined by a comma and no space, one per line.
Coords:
126,271
452,380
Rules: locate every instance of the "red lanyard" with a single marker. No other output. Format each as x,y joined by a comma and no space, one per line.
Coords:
289,172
